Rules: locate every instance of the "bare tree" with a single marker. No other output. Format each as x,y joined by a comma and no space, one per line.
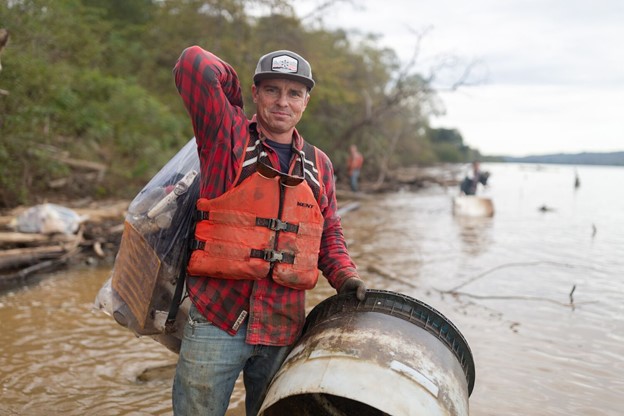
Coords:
408,100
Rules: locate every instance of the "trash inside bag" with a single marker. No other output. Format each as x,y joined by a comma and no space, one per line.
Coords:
153,253
48,219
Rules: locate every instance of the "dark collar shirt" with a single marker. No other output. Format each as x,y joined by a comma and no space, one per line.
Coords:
274,314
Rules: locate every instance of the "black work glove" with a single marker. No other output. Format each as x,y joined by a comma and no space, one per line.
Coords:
353,284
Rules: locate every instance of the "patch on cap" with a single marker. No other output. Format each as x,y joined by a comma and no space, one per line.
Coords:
284,63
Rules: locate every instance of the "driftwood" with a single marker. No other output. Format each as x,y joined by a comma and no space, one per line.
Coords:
443,175
456,292
115,210
37,259
20,277
8,238
404,178
21,256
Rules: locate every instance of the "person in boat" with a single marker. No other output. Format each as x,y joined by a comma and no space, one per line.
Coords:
472,180
355,160
267,222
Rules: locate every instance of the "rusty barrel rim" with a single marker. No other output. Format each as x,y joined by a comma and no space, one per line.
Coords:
403,307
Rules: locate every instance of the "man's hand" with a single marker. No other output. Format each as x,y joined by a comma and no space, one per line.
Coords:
353,284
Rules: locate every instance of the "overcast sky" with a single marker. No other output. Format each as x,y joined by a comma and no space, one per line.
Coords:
552,71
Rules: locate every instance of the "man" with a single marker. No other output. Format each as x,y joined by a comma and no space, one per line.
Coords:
267,223
354,165
469,185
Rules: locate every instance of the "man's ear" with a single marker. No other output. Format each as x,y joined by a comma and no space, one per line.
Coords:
306,100
254,92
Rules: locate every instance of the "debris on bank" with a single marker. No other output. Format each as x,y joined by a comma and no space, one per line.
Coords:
46,237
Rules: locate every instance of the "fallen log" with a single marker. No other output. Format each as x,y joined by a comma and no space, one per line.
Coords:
7,238
112,211
14,279
36,260
27,256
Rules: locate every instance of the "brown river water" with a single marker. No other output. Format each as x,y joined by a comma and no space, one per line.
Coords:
512,274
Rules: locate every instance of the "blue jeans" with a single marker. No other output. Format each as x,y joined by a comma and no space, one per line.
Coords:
209,364
355,176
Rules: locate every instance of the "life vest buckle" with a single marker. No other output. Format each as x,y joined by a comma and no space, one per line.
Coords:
273,256
276,224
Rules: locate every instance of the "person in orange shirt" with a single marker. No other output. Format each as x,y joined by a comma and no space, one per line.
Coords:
354,165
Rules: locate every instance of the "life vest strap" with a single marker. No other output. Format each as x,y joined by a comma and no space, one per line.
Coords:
267,255
201,215
197,245
276,224
273,256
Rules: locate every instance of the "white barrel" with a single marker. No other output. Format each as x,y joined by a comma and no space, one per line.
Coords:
389,355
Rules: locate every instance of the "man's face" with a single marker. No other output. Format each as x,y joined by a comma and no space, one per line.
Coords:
280,103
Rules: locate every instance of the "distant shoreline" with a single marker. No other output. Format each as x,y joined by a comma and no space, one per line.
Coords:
585,158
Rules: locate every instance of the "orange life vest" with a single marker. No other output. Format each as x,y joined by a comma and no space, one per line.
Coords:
266,227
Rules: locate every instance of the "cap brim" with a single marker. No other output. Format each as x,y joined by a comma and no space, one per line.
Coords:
281,75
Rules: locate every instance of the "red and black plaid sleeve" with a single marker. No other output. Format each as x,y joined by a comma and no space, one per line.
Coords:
334,259
212,96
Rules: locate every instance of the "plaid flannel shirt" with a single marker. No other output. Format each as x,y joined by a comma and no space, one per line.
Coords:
274,314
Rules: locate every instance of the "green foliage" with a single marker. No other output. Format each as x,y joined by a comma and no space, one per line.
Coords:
448,136
447,152
89,84
448,145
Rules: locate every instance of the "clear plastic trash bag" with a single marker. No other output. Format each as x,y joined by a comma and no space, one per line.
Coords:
153,252
48,219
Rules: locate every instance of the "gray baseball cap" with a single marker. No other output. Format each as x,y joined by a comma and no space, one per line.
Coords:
284,64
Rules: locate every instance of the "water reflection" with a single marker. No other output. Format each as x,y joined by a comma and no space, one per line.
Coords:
60,357
474,233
